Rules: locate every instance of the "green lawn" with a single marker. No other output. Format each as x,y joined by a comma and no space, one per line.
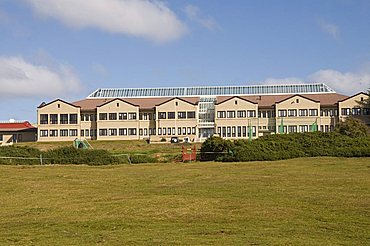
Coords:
312,201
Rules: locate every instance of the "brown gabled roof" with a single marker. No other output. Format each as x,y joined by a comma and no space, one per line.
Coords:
143,103
135,105
222,100
298,96
270,100
194,102
353,96
45,104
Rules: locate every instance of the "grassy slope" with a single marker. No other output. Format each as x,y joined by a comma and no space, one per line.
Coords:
302,201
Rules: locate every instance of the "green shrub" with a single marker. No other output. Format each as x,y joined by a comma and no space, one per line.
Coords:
70,155
215,148
287,146
136,159
353,127
18,151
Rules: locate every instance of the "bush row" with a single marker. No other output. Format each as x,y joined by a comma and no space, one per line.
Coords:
63,155
286,146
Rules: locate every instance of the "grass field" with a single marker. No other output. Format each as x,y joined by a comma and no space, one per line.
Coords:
312,201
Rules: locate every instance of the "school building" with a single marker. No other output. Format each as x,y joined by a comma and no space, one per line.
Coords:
195,113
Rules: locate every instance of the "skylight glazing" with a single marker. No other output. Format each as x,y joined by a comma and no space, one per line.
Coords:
211,91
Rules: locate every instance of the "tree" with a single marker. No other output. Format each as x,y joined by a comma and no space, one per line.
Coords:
353,127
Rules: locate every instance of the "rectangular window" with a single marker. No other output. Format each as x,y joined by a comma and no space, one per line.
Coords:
82,133
292,112
164,131
122,131
44,119
132,116
112,116
82,117
191,114
1,137
303,128
346,111
269,114
64,119
53,119
92,132
181,115
171,115
184,131
64,133
87,132
43,133
254,132
87,117
73,119
229,131
112,132
239,131
223,131
179,131
189,130
150,131
355,111
141,132
153,131
303,112
193,130
230,114
313,112
53,133
132,131
162,115
241,114
233,131
122,116
73,132
103,132
282,113
219,130
169,131
102,116
366,111
159,131
221,114
173,131
145,132
251,113
292,128
244,131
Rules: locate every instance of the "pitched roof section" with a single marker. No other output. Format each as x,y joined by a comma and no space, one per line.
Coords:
16,126
143,103
270,100
198,91
60,100
227,99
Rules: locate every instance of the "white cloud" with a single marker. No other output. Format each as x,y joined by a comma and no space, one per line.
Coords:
150,19
19,78
329,28
347,83
194,13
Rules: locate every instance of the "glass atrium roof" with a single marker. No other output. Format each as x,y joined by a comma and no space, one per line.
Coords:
198,91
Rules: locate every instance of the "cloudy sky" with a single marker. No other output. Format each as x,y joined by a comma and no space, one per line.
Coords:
68,48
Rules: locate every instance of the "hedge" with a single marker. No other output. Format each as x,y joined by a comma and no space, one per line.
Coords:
286,146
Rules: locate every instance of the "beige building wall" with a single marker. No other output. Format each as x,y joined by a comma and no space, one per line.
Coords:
56,131
88,124
187,125
307,112
354,106
113,126
234,116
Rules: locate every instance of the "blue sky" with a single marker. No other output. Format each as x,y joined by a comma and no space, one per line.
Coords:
68,48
